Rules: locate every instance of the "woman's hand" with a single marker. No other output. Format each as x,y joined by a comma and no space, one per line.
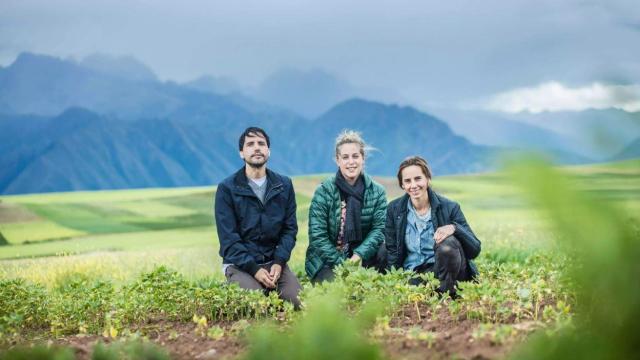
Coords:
355,259
443,232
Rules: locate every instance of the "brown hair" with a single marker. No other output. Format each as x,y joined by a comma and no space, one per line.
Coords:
414,161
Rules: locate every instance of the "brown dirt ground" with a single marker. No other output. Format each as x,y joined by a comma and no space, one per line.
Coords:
180,340
391,185
10,213
453,339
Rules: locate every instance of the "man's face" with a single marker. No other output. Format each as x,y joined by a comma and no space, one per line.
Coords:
255,151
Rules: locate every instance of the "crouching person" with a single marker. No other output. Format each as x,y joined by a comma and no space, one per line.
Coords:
426,232
255,212
346,215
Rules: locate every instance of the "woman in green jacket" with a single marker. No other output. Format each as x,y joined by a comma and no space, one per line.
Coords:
347,215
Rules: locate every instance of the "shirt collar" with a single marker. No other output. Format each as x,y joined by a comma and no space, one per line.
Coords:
412,215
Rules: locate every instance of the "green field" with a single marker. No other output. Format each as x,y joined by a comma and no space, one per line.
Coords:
138,223
121,237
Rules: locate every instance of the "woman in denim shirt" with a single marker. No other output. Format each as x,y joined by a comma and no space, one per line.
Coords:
426,232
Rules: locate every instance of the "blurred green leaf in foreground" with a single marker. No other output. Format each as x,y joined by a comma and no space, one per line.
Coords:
604,242
325,331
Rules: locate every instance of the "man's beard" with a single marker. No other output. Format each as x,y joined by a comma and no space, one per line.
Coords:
257,165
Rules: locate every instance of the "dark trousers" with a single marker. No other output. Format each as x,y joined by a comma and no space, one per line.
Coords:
378,262
287,286
450,266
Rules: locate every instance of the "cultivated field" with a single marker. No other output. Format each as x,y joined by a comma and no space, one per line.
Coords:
121,266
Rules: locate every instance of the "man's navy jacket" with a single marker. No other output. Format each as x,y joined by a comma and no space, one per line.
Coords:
251,233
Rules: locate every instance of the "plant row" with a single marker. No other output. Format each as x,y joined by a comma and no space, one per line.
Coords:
505,293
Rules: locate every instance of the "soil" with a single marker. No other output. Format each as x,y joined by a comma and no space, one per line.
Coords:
11,213
453,338
180,340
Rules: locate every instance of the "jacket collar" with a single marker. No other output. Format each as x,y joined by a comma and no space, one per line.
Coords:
433,198
434,201
241,182
368,181
404,202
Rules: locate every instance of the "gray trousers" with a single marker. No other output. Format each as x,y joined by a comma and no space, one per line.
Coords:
287,286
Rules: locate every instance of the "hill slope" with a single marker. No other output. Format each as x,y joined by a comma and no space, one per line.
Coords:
81,150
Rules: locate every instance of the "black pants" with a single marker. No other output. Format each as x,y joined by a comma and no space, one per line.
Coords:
378,262
450,266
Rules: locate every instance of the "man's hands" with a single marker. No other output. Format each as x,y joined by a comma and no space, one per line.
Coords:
269,278
265,278
275,272
443,232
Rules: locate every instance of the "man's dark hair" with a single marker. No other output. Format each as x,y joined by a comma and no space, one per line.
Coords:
253,131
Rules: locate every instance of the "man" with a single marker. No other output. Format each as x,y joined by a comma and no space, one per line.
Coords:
255,213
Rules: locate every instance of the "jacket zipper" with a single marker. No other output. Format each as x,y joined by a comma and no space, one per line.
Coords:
250,193
269,191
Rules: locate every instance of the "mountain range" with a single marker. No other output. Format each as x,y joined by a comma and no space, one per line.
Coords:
582,135
107,122
80,149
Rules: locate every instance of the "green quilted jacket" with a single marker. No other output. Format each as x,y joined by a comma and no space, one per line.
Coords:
324,220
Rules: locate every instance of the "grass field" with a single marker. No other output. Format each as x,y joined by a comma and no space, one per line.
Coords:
141,222
118,235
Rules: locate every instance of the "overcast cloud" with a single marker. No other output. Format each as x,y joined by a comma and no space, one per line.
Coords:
554,96
431,53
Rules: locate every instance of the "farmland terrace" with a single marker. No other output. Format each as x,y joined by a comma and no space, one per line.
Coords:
137,272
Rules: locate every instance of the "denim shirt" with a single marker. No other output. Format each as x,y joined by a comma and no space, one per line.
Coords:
419,239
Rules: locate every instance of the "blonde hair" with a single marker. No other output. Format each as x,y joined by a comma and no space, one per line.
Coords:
350,137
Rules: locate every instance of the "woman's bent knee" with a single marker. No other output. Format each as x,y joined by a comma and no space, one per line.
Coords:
451,241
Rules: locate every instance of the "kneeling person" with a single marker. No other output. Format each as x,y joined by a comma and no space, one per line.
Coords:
255,211
426,232
346,215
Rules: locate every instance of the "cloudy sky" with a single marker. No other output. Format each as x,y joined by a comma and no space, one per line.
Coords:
503,55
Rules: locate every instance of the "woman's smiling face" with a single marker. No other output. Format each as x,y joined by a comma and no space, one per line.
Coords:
415,182
350,161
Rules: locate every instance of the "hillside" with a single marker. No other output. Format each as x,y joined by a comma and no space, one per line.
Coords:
82,150
109,123
119,220
393,132
631,151
137,256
